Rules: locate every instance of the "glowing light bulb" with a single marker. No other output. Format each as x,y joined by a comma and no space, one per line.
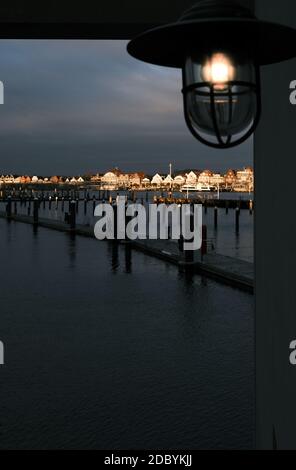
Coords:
218,70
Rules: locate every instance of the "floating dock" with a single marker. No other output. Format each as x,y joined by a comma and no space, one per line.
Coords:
231,271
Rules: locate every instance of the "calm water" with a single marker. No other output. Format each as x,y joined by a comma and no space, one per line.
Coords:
111,349
225,240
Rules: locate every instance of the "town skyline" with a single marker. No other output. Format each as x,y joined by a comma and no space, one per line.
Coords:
89,173
115,179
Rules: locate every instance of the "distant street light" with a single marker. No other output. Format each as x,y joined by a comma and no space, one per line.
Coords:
220,46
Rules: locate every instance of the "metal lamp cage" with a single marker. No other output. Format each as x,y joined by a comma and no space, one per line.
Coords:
229,96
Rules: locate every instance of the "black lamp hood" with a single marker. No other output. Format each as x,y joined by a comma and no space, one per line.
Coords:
213,25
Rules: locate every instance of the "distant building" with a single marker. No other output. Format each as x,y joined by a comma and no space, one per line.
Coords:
109,179
8,179
230,179
179,180
25,179
191,178
217,180
145,181
244,180
245,175
54,179
205,177
168,181
95,178
157,180
123,180
135,179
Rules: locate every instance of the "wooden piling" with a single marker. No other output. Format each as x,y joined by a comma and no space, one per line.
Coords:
204,244
8,207
72,214
215,217
237,214
35,211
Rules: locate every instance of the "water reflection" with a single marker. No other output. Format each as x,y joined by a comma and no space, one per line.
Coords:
72,248
114,256
150,358
128,258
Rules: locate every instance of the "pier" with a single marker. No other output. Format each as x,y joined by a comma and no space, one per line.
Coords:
229,270
64,192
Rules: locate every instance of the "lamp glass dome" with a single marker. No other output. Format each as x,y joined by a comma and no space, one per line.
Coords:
221,97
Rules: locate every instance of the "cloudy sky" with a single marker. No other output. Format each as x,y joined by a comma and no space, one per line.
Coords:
73,107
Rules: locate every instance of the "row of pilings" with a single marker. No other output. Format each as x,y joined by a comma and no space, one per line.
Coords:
71,207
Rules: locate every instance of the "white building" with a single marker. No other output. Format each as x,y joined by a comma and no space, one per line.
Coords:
146,181
135,179
205,177
110,179
157,180
244,180
217,179
179,180
8,179
123,179
168,180
245,175
191,178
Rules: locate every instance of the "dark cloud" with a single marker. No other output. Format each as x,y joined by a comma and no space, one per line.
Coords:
78,106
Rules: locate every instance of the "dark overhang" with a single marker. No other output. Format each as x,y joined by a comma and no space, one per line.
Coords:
86,19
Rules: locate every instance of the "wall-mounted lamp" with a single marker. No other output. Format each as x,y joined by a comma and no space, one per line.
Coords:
220,46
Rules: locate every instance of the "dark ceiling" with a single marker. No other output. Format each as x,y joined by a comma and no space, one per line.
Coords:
114,19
